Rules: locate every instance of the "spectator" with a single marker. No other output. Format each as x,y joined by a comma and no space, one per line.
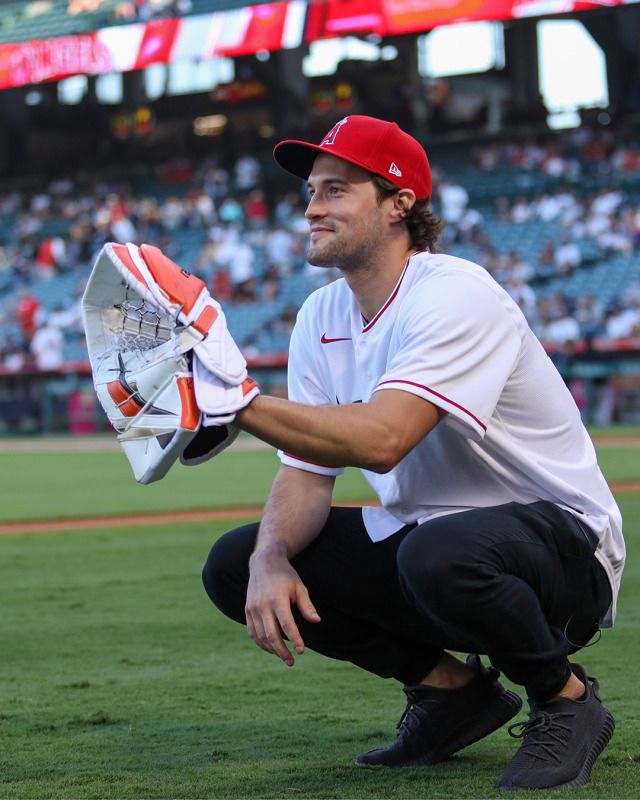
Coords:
279,247
270,283
256,210
47,347
230,211
247,173
51,257
67,318
590,315
27,314
216,183
561,329
522,294
453,200
521,211
203,209
623,322
567,257
173,213
15,357
221,286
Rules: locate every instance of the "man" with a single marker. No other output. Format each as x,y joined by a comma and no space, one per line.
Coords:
497,533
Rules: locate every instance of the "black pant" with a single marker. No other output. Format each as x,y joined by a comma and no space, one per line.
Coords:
518,583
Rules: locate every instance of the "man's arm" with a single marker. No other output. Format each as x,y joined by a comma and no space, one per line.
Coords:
374,435
295,512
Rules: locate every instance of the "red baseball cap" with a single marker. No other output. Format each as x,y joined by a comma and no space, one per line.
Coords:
375,145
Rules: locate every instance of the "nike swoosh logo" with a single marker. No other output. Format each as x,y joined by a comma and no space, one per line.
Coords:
325,340
132,390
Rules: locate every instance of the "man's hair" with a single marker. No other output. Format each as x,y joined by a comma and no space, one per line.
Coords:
423,225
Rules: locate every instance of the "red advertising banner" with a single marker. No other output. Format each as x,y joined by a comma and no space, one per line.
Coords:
157,43
51,59
388,17
248,30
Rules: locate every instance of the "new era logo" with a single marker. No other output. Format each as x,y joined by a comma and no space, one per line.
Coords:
394,169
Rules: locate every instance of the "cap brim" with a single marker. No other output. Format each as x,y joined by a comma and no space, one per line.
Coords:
296,157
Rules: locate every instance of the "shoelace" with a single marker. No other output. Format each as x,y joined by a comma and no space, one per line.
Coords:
543,733
409,717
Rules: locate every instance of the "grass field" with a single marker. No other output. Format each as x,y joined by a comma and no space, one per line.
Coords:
118,679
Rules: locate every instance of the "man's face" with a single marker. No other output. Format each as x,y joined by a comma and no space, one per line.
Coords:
347,224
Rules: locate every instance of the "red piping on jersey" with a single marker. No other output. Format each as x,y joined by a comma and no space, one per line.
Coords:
442,397
370,325
306,461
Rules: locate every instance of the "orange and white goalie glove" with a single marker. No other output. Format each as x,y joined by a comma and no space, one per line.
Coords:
185,299
158,347
220,401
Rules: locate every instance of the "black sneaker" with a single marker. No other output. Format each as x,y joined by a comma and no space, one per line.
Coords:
438,722
561,741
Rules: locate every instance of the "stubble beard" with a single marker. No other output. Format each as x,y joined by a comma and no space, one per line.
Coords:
356,256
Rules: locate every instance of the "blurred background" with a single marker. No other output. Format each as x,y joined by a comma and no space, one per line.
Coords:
134,120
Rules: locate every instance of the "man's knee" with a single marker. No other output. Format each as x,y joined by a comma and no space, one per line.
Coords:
226,571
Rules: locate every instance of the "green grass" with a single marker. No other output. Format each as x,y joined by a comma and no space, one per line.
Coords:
57,485
78,484
619,463
118,679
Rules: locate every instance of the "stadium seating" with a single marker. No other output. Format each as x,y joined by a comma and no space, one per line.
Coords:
23,21
256,321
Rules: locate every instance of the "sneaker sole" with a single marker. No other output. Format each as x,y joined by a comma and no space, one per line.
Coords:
582,778
475,728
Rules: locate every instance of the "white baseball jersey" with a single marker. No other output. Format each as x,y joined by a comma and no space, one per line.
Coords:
512,432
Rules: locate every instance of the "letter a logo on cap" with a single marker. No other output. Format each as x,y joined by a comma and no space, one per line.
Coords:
394,169
330,138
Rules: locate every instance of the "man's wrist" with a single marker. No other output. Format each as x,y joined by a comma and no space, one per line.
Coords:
274,548
244,414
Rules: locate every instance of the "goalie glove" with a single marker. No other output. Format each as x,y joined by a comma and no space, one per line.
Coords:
207,443
220,404
182,297
149,399
141,360
219,401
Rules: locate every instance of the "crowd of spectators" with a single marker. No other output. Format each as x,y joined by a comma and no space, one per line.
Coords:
132,10
606,222
224,223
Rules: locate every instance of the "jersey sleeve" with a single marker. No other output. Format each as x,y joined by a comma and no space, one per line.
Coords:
307,384
455,345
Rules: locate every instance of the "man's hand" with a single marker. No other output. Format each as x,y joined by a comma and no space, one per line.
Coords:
274,587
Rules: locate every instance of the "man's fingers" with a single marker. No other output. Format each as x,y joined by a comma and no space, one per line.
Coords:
270,620
274,637
288,625
305,606
263,627
256,632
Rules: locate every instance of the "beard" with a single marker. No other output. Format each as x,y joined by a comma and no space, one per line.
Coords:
333,251
326,254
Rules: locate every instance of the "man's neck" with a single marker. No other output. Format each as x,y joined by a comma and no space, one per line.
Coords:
374,282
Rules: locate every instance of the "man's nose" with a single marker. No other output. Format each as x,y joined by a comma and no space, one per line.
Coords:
315,207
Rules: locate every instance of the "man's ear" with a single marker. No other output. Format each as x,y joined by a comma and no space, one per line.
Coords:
403,201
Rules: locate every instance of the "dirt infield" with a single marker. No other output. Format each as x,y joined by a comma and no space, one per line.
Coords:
126,520
176,517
